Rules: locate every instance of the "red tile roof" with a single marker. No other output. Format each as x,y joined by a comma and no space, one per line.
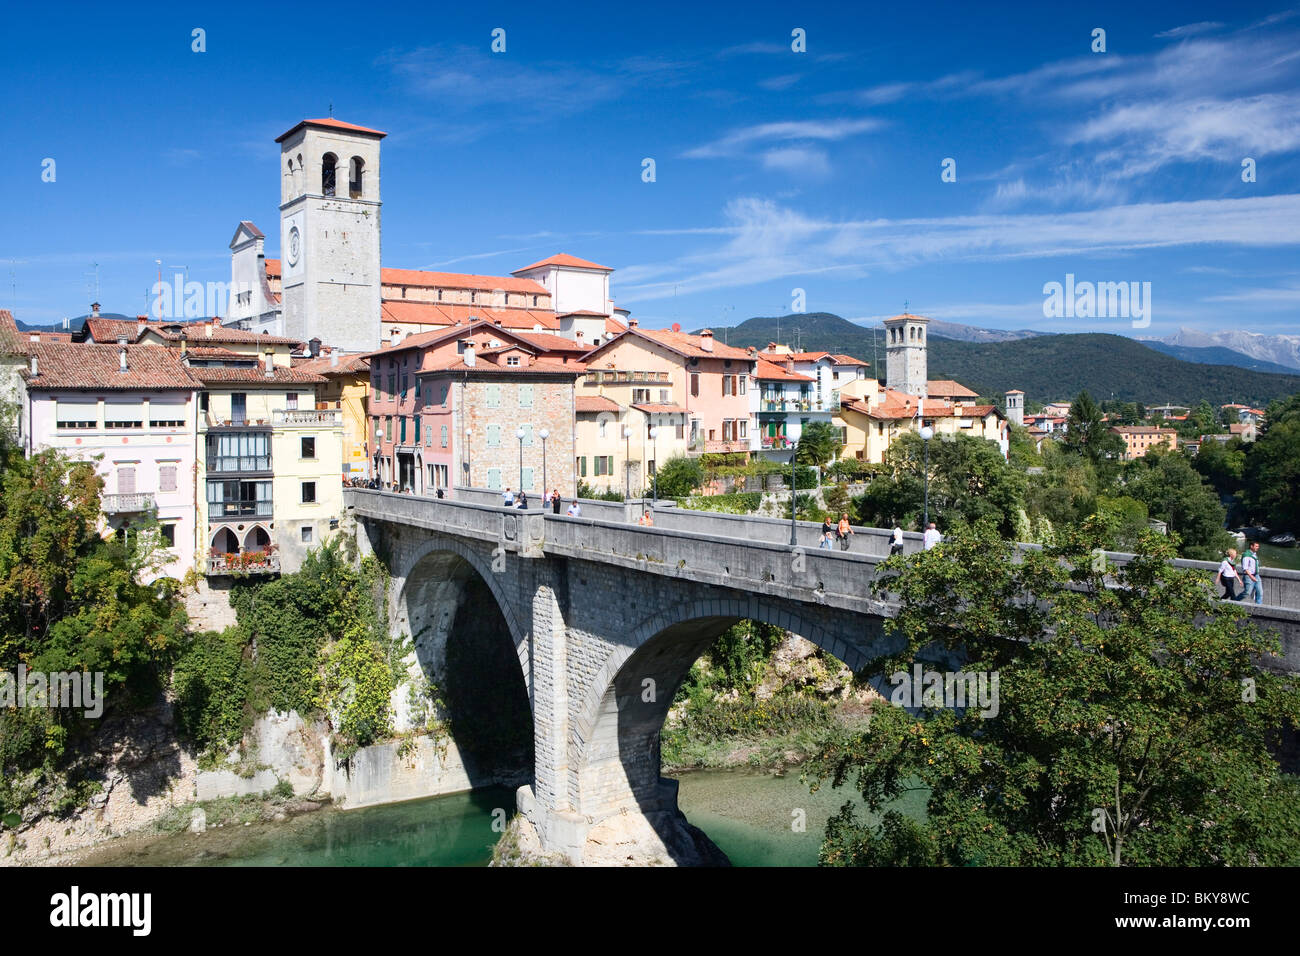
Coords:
107,331
331,123
324,365
947,388
446,313
656,409
98,367
460,280
595,403
564,259
842,359
686,344
256,375
552,343
770,371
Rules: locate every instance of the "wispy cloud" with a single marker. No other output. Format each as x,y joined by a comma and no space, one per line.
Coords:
1189,29
735,142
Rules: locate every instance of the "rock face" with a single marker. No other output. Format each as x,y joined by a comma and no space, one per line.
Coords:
662,838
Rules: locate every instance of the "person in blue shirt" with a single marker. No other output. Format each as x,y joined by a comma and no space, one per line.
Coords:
1250,575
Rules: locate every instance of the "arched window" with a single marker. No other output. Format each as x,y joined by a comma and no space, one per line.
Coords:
355,170
328,164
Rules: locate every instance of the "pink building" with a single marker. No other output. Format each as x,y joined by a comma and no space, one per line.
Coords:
133,406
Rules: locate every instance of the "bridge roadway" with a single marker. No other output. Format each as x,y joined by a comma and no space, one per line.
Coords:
606,617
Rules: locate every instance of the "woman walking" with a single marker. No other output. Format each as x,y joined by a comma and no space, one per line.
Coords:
1227,576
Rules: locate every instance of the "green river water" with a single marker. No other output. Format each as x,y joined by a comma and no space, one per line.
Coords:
753,817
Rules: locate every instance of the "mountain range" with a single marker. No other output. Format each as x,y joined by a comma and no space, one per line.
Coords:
1047,367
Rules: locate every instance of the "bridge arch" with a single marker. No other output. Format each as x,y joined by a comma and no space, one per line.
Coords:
616,760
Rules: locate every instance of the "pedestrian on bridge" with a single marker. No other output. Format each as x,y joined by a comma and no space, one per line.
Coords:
844,530
555,501
575,509
507,498
896,544
1250,575
521,502
932,536
1227,576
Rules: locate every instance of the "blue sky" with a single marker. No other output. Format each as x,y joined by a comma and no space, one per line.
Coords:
775,169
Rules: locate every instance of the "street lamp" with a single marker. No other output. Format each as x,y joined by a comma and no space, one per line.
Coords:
654,476
794,501
926,434
519,433
627,463
544,434
469,461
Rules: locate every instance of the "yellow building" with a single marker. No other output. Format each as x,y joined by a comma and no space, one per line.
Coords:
1140,439
269,468
346,388
871,418
607,459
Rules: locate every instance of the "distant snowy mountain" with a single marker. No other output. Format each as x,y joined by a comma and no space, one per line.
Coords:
973,333
1278,349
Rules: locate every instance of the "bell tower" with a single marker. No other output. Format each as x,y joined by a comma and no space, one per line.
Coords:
330,233
905,359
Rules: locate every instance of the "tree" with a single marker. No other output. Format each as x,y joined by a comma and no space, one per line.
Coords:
1086,434
1175,494
1271,471
819,442
679,476
969,479
1131,723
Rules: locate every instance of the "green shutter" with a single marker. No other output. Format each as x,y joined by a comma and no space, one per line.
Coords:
528,434
493,395
528,479
494,436
525,396
582,467
444,436
494,478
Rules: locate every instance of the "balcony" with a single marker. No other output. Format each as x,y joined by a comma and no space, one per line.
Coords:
128,504
238,464
233,510
726,446
790,405
248,563
212,421
307,416
779,441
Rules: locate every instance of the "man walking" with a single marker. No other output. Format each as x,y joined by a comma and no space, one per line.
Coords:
932,536
575,509
844,530
1250,575
896,544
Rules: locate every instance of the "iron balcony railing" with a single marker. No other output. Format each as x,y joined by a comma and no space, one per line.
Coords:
250,562
127,504
307,416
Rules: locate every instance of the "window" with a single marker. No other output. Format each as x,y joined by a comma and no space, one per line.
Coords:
726,428
402,438
600,428
291,401
309,492
494,479
126,480
525,396
460,346
444,436
726,385
392,385
743,383
306,534
203,402
443,399
168,534
599,462
238,407
663,396
512,359
744,427
494,436
528,434
415,437
356,169
640,396
246,451
681,432
492,396
695,384
527,480
167,412
166,477
582,467
328,165
77,414
308,448
123,414
388,428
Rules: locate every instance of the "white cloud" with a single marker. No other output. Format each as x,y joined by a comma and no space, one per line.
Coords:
735,142
798,161
1190,29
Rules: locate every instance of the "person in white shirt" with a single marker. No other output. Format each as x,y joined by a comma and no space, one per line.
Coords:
896,544
932,536
1250,575
1227,576
575,509
507,499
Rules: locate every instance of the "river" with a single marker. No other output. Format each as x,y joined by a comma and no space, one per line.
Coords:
757,820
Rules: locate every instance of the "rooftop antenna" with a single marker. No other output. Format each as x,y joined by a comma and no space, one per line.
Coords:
331,109
95,272
905,307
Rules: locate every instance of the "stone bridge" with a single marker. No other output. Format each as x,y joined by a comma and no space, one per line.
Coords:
607,616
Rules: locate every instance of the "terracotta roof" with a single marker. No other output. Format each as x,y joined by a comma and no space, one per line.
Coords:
460,280
446,313
433,336
1240,429
586,313
686,344
97,367
252,229
272,267
564,259
10,338
552,343
256,375
806,356
1142,430
594,403
842,359
947,388
1014,391
213,353
770,371
656,409
323,365
107,331
613,326
331,123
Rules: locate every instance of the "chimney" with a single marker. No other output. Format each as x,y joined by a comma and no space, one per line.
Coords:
706,340
207,328
121,340
35,336
394,335
631,323
470,358
497,323
94,310
141,320
577,335
35,369
334,358
121,359
270,363
314,347
185,344
66,323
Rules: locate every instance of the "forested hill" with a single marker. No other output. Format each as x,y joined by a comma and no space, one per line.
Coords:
1045,367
